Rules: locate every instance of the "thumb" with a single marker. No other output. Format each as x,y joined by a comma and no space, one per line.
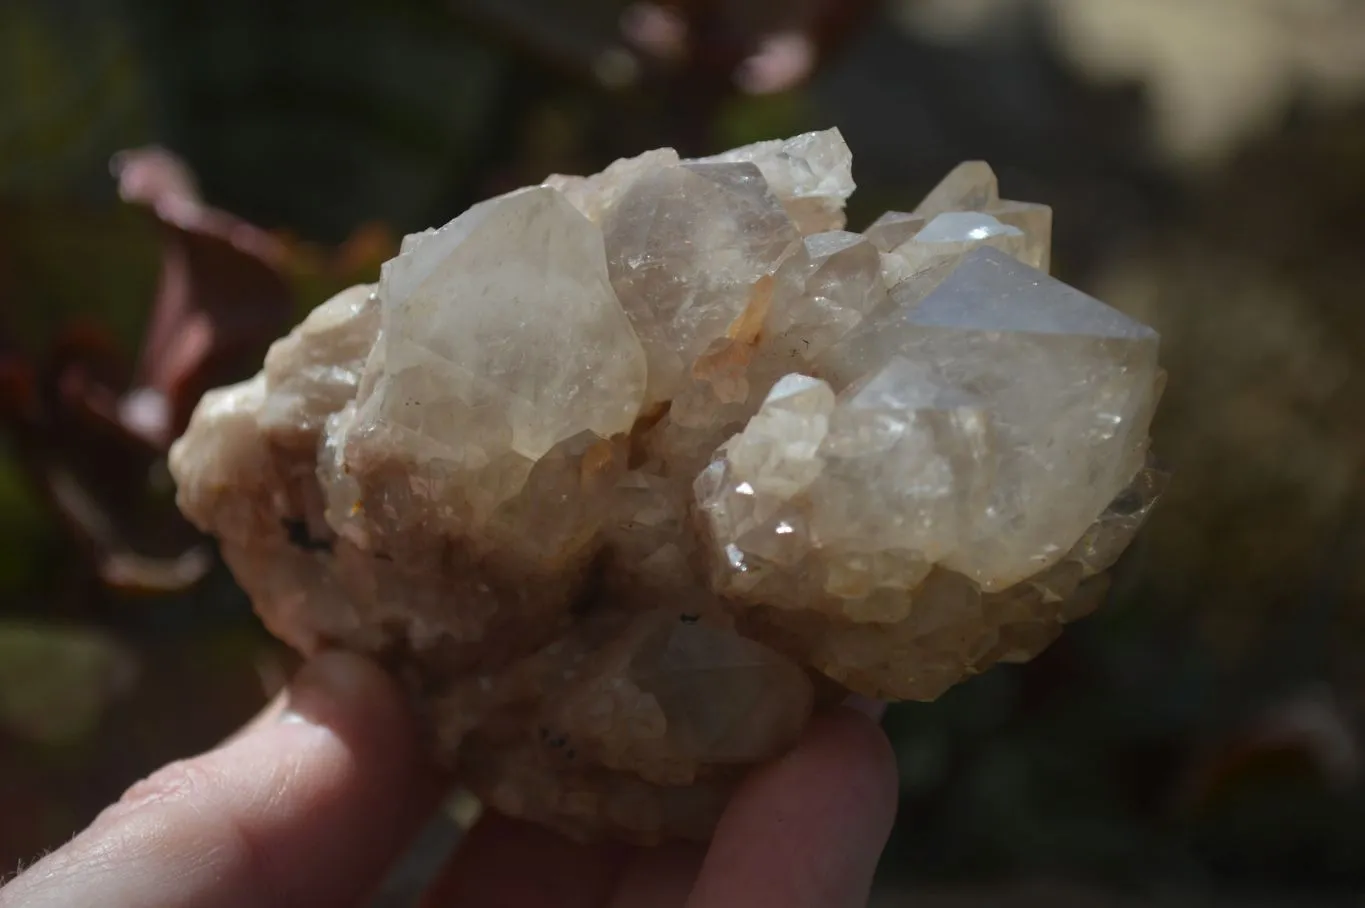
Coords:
304,809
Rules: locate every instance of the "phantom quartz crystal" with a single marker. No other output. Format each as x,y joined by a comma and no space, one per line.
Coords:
625,476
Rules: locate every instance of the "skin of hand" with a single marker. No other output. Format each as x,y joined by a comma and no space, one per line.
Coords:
309,803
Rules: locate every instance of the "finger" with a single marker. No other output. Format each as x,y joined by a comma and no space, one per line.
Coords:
269,714
808,829
507,862
658,877
305,810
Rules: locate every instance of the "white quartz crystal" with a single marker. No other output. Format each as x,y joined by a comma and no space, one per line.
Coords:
693,249
597,194
971,187
624,475
812,175
501,336
953,234
1070,385
839,281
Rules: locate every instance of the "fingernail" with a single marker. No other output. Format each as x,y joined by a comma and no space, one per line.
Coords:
873,709
326,681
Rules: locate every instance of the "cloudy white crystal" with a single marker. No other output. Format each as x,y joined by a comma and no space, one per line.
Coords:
501,334
692,249
839,277
1070,385
971,187
954,234
597,194
812,174
612,469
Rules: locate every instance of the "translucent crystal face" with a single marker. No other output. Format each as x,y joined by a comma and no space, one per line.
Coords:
476,363
811,173
971,186
724,698
1068,385
893,228
626,473
598,194
950,236
971,189
689,248
840,280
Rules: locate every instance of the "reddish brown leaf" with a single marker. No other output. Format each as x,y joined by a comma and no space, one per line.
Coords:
760,48
1304,737
223,296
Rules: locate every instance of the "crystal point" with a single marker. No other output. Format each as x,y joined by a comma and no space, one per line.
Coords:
456,297
971,186
812,174
952,235
1068,383
894,228
839,282
690,249
598,194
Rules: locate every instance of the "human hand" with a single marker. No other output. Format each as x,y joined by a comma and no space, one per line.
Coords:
309,804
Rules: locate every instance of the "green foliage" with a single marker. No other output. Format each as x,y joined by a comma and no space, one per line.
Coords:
73,95
24,523
55,682
748,118
79,262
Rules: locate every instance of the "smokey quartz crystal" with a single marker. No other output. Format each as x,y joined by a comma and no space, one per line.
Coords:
626,475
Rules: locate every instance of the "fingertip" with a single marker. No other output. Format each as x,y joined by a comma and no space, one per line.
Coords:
873,709
808,829
846,756
356,699
855,738
876,782
346,677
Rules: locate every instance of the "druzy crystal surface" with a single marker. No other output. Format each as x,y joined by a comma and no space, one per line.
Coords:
626,475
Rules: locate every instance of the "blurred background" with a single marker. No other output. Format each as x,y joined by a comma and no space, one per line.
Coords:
1196,742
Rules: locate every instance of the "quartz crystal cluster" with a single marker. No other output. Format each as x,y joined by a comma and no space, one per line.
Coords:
626,475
